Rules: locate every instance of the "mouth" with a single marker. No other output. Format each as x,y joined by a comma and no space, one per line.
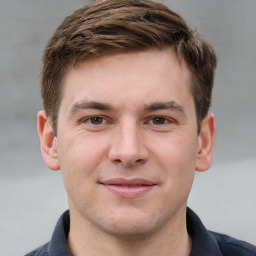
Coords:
128,187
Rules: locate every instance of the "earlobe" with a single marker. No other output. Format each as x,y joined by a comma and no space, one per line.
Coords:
206,141
48,141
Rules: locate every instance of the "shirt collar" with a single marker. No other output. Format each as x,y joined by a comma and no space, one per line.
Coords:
204,243
58,244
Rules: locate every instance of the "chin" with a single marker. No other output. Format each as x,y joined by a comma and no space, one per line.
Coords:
131,225
129,231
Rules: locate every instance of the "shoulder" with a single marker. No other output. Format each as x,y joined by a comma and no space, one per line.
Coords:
209,243
40,251
231,246
58,243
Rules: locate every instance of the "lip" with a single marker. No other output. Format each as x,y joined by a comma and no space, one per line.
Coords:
128,187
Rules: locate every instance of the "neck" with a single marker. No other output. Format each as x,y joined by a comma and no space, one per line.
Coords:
172,239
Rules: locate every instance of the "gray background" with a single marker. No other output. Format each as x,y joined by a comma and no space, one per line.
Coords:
32,197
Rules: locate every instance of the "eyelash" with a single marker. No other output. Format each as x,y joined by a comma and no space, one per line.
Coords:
102,120
163,120
89,120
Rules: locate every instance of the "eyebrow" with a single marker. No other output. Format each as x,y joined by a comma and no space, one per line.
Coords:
169,105
81,105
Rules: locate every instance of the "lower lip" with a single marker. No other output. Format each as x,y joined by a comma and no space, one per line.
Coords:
125,191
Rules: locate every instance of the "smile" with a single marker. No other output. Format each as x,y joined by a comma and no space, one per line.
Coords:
128,188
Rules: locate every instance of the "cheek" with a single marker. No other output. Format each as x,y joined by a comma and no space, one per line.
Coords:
176,152
79,157
80,151
177,157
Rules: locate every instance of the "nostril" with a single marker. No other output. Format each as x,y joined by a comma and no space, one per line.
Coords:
129,162
139,161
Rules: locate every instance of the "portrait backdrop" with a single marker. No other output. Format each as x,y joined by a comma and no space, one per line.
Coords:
32,197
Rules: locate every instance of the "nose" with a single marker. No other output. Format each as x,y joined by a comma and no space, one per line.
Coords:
128,146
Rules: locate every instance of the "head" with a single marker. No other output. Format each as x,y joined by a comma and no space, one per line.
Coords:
126,87
122,26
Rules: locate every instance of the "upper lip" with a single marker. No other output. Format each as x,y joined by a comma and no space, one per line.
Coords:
127,182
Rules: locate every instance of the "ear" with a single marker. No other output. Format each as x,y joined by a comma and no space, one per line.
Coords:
48,141
206,141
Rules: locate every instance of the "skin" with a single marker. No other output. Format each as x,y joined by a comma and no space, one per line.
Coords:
128,116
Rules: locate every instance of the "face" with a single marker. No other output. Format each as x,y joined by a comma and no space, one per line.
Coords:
127,142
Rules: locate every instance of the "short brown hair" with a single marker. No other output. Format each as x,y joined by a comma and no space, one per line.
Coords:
111,26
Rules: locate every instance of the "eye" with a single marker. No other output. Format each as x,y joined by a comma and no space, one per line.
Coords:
158,120
95,120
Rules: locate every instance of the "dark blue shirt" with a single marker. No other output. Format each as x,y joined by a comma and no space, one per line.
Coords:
205,243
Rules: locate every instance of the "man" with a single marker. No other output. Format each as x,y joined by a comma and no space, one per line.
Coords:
126,87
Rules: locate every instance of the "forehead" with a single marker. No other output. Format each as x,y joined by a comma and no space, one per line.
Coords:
150,75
